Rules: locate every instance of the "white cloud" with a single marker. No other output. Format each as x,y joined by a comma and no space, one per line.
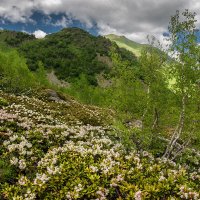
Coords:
39,34
64,22
133,18
15,10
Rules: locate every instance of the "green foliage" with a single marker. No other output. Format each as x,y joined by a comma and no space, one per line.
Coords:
185,70
126,90
82,90
7,172
15,75
184,41
3,102
14,39
70,52
152,61
41,75
123,94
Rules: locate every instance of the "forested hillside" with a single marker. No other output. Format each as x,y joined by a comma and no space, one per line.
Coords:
71,52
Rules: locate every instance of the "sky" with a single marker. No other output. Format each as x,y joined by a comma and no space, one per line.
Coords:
134,19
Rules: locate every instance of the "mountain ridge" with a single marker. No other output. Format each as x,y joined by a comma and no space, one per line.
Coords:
126,43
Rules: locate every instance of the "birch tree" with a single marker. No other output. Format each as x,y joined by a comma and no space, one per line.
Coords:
185,70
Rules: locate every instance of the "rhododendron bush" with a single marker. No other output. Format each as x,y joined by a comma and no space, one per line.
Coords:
55,153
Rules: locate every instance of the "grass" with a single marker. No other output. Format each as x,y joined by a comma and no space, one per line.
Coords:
124,42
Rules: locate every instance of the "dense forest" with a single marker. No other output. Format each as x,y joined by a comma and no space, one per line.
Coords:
123,126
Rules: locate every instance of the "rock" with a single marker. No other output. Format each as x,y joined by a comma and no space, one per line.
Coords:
134,124
54,96
55,81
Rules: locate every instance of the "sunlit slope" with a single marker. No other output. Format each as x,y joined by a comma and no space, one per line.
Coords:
124,42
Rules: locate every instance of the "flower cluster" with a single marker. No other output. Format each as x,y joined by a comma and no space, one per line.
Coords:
60,157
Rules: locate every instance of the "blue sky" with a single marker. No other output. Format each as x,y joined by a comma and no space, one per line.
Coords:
47,23
133,18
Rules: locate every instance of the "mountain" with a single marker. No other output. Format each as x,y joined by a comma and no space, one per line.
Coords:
14,38
69,52
124,42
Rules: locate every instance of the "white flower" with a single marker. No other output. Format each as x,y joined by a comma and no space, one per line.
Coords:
22,164
13,138
41,179
68,196
93,168
185,195
102,192
78,188
137,159
6,143
138,195
12,147
119,178
99,192
162,178
13,161
53,170
30,195
113,184
139,166
22,180
22,152
29,145
182,188
29,153
145,153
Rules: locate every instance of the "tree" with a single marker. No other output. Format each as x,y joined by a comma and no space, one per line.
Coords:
41,75
185,70
152,61
125,92
14,74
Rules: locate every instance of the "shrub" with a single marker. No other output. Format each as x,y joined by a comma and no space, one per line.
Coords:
3,102
55,158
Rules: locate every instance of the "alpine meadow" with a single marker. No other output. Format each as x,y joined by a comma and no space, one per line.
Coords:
96,117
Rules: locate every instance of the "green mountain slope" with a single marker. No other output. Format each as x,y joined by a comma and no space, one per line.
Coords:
124,42
72,52
69,52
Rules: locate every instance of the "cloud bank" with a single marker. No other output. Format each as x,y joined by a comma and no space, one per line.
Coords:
39,34
133,18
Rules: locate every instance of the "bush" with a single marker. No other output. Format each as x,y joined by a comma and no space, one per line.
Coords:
3,102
